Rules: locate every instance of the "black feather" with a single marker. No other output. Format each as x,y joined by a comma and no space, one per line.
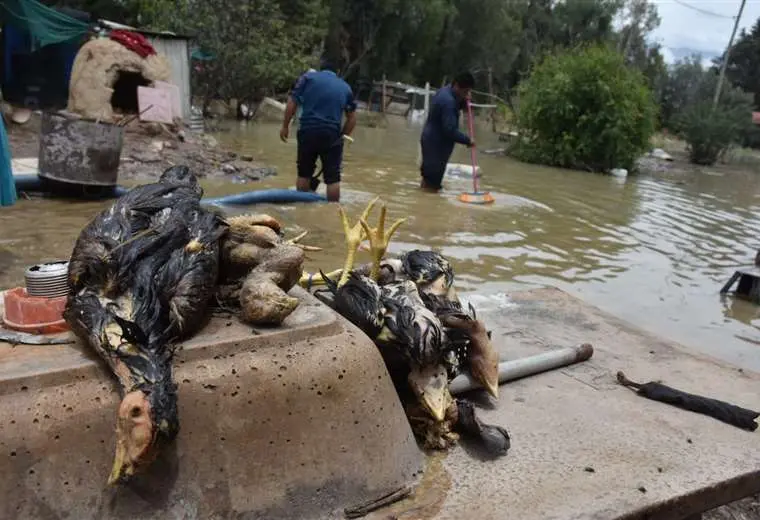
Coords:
424,267
146,266
359,301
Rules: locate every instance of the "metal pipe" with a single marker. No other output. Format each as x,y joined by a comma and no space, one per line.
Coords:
528,366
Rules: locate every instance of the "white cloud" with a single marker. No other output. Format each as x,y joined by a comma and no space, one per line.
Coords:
684,31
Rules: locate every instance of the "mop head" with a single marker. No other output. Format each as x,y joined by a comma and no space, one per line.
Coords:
480,197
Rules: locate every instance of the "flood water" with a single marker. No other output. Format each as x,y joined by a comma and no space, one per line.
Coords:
652,250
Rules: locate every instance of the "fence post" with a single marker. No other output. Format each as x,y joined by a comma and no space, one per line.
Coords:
384,99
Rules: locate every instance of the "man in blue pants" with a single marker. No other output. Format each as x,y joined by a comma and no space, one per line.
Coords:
441,130
323,98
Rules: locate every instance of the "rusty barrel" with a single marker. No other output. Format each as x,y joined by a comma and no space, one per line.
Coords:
78,151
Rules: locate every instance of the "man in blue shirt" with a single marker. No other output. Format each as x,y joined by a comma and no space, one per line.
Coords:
441,130
323,98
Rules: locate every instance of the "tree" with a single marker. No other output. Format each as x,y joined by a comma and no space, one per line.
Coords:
639,18
585,109
686,82
707,132
743,68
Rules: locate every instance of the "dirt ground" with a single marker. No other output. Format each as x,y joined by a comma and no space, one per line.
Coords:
149,149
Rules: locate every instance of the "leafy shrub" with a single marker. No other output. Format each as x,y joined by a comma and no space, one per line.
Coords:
585,109
709,133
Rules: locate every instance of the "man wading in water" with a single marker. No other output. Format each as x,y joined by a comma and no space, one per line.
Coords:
441,130
323,98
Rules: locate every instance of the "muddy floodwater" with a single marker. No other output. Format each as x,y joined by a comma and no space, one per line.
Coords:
653,250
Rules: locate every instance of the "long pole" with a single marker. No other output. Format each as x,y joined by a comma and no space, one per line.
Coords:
472,148
727,56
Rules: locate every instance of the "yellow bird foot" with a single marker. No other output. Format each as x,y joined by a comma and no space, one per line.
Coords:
354,236
309,280
379,239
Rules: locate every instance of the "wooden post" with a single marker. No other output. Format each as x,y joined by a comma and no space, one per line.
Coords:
369,99
383,101
490,92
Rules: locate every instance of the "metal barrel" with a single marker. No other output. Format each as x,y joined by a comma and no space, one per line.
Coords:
78,151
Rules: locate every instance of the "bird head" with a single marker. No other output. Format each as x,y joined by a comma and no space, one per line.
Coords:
430,385
483,357
145,418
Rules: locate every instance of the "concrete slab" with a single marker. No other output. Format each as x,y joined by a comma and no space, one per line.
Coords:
300,421
584,447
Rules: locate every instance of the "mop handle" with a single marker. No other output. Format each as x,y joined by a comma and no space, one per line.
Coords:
472,148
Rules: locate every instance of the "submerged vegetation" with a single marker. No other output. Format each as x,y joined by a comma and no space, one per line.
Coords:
261,46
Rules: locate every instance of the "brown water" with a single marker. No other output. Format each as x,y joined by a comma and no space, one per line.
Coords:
653,251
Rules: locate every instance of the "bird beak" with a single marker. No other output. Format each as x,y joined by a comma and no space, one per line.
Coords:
120,467
430,384
492,388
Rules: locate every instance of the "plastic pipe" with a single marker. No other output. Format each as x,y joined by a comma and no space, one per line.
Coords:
529,366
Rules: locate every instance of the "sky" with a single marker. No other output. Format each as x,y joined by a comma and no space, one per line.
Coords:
684,31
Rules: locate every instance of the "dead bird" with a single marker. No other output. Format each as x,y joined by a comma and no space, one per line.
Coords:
259,267
140,278
409,335
468,342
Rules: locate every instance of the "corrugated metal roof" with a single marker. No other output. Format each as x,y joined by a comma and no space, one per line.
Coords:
158,34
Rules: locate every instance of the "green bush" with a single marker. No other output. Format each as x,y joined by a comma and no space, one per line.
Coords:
585,109
709,133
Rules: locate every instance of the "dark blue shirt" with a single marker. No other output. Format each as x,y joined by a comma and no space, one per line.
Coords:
442,125
323,98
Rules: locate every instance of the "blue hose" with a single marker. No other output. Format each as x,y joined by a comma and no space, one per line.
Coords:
262,196
34,183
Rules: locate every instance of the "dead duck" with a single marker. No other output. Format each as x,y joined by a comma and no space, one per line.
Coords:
140,277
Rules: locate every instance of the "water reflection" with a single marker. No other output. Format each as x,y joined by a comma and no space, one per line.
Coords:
652,251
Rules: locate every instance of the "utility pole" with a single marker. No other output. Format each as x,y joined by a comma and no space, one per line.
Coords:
726,56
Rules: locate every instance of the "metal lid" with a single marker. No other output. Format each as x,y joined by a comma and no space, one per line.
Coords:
48,280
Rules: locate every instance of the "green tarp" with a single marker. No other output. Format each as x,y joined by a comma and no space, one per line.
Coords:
46,25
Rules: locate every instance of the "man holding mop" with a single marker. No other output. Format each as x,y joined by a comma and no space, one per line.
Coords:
441,130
